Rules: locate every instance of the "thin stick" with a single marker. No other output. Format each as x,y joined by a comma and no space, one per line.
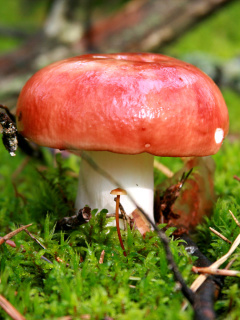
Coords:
218,272
198,282
165,170
10,310
234,218
35,239
13,233
220,235
236,178
228,266
20,167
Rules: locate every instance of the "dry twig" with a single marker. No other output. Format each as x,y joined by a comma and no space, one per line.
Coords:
218,272
198,282
220,235
13,233
234,218
162,168
35,239
9,308
236,178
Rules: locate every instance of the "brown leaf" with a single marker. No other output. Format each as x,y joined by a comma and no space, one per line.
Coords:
141,224
190,201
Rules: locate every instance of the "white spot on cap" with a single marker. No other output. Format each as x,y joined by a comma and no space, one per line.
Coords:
219,135
147,145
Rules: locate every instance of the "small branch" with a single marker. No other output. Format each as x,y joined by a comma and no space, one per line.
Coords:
10,310
234,218
220,235
236,178
198,282
218,272
230,263
20,168
162,168
35,239
13,233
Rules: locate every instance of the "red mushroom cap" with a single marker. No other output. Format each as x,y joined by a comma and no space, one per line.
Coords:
125,103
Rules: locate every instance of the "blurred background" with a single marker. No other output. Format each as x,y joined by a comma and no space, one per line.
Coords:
205,33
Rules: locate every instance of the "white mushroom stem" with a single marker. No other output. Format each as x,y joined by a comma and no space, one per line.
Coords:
133,172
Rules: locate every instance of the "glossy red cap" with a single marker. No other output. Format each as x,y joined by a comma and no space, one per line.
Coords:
125,103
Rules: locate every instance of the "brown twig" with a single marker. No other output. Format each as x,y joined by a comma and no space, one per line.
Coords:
9,309
162,168
218,272
230,263
20,168
234,218
35,239
236,178
13,233
197,283
220,235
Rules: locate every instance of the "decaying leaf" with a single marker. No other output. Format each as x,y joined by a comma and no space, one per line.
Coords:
140,222
187,201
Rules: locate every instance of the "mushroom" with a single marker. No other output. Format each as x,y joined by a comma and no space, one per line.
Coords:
119,192
122,109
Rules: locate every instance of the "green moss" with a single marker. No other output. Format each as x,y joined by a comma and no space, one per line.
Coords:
140,285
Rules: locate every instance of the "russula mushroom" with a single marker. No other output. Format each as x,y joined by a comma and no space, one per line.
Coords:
122,109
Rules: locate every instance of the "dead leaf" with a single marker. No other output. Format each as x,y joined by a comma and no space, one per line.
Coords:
192,201
140,222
